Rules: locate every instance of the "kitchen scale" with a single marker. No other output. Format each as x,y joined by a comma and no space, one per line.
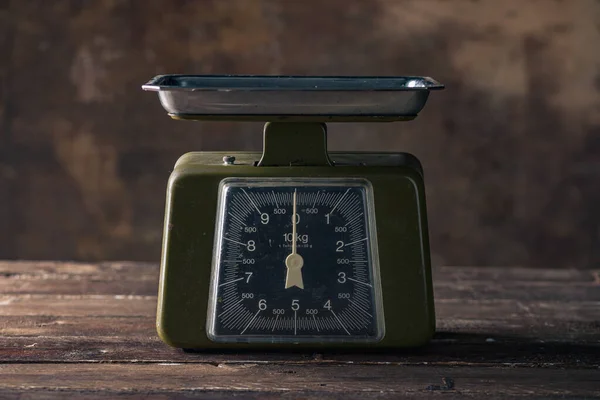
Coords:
295,247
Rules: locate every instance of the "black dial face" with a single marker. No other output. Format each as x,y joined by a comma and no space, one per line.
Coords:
306,276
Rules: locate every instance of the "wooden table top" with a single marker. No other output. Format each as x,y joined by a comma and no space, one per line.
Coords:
88,330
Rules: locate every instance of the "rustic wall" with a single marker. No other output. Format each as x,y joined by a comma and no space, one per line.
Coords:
511,148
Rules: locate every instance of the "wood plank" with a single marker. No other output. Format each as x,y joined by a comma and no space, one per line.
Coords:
70,269
146,285
192,394
518,290
392,381
68,286
125,269
515,274
76,325
135,305
449,283
445,350
493,328
78,305
120,315
56,326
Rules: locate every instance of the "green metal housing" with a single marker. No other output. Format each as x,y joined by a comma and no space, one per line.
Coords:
402,235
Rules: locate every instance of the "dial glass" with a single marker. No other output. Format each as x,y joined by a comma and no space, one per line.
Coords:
295,261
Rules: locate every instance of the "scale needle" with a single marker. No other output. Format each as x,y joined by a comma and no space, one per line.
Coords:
294,261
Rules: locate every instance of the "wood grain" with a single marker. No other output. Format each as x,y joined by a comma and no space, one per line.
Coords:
325,379
87,330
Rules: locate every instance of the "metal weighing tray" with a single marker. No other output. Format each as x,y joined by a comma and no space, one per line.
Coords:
315,98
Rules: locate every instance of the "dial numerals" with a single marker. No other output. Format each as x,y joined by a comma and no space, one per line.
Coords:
295,261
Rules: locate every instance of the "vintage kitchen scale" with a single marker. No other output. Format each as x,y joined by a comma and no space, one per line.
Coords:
296,247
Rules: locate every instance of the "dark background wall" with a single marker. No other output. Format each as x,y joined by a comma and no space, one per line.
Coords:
511,148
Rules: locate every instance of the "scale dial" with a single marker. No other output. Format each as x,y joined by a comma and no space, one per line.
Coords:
295,261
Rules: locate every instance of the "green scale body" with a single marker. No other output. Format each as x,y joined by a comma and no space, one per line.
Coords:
399,279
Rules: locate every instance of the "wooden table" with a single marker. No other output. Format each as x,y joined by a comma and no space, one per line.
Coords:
88,330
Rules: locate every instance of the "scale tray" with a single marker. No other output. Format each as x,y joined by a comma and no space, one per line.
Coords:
301,98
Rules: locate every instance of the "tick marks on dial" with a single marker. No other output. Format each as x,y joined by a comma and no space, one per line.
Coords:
240,243
359,308
357,241
354,219
316,198
251,321
339,201
340,322
362,283
237,219
227,310
316,323
295,323
230,282
251,201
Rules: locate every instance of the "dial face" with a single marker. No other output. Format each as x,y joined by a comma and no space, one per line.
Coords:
295,260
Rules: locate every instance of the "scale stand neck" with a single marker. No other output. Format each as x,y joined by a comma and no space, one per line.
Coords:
287,144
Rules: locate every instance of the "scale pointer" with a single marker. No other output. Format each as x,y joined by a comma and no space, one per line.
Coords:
294,261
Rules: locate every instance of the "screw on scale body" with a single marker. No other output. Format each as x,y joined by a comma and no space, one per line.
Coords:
228,160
